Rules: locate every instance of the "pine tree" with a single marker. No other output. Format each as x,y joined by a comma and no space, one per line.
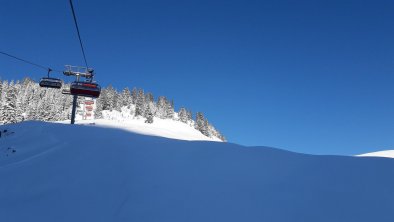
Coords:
206,131
183,115
111,98
161,106
101,104
4,91
140,105
9,105
189,115
19,108
170,109
148,115
134,95
125,98
201,124
1,90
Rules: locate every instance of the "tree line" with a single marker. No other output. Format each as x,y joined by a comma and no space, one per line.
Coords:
26,100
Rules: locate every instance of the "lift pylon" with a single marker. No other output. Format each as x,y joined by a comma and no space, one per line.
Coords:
80,88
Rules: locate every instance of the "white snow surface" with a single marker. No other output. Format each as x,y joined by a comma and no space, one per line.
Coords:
57,172
383,153
168,128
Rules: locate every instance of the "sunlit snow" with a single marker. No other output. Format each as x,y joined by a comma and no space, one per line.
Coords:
384,153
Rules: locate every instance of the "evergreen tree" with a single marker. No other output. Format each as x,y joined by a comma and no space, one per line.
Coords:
148,115
140,105
189,115
125,98
201,124
8,110
161,107
4,91
134,95
18,109
101,104
170,109
111,98
183,115
1,90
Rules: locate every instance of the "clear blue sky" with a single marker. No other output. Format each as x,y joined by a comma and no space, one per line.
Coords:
306,76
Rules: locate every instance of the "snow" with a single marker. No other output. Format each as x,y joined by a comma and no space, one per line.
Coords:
384,153
62,172
160,127
168,128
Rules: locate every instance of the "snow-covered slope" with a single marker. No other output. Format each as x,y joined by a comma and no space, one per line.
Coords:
168,128
56,172
160,127
384,153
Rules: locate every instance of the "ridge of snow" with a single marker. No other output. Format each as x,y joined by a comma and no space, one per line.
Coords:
168,128
383,153
62,172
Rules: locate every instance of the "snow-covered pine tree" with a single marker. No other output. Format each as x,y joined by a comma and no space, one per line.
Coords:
161,107
19,107
134,95
206,131
111,98
101,104
170,109
140,105
182,114
4,90
125,98
1,90
149,97
148,114
8,111
200,124
189,117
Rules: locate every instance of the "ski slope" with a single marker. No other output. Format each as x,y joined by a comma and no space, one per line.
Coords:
57,172
384,153
160,127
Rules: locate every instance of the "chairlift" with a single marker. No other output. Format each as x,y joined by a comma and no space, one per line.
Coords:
49,82
86,89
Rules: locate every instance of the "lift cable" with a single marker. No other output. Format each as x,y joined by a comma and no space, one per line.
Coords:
79,36
31,63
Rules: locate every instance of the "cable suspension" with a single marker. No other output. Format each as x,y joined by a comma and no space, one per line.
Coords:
29,62
79,35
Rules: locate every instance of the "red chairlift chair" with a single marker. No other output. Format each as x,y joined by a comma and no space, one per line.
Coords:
86,89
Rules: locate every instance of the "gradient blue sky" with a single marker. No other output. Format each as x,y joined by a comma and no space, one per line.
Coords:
306,76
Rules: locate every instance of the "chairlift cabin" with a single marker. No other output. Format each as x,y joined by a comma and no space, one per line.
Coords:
86,89
48,82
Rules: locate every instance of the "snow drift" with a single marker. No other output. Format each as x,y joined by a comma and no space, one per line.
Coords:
383,153
160,127
68,173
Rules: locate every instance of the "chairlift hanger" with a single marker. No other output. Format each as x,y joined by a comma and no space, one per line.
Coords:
48,82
